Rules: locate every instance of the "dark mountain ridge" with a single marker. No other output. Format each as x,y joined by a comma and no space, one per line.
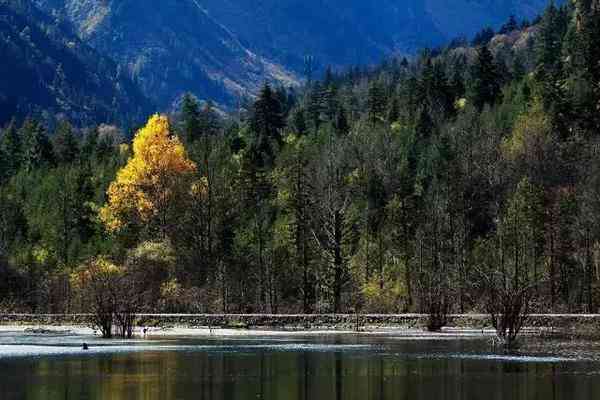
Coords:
51,73
225,49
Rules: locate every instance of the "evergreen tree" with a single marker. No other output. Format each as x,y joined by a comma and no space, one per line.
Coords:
376,102
299,122
65,143
89,144
435,92
583,82
341,123
266,123
37,150
457,84
267,118
485,85
518,70
394,110
483,37
191,118
10,151
549,71
510,26
208,120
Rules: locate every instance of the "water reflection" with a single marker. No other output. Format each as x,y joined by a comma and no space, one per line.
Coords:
384,369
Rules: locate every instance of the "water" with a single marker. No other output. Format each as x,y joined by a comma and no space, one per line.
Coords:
292,368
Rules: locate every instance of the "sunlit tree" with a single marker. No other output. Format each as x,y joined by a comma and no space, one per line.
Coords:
157,180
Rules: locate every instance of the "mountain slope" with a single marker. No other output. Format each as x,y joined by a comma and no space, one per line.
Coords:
172,46
48,71
221,49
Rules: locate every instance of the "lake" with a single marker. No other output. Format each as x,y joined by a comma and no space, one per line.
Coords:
293,367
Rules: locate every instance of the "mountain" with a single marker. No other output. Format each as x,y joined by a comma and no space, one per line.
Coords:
47,71
224,49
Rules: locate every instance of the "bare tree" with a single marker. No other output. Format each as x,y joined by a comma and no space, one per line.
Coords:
332,228
510,263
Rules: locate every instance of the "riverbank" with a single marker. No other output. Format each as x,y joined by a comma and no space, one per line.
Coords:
229,324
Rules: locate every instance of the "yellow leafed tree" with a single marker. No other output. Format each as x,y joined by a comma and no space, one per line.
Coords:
156,181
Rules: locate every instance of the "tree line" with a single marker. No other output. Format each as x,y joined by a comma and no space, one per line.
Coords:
464,179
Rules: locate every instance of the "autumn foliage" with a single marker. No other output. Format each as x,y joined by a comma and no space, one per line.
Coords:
156,178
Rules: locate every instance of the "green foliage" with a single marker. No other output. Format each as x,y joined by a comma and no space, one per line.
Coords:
10,151
66,145
485,80
36,147
465,179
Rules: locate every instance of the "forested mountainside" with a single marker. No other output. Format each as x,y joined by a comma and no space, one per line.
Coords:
49,72
464,180
223,49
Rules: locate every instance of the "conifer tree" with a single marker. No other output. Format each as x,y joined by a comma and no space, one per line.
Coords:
66,146
394,110
342,126
549,71
300,122
10,151
583,82
483,37
376,103
266,123
485,80
191,118
37,150
510,25
208,120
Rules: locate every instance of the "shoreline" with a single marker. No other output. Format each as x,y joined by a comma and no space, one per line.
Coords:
164,325
200,332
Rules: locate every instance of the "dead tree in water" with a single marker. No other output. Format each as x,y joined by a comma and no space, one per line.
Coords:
510,263
508,305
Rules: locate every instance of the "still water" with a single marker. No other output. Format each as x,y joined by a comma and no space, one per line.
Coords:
292,368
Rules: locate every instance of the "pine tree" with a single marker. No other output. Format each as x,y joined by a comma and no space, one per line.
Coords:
341,123
583,41
299,122
485,80
394,110
518,69
267,118
510,26
10,151
208,120
376,102
457,84
435,92
37,150
483,37
266,123
315,106
190,115
549,71
66,146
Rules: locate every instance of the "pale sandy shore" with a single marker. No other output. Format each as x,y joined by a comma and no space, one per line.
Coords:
152,332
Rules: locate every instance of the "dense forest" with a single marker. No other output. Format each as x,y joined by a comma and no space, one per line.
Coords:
464,179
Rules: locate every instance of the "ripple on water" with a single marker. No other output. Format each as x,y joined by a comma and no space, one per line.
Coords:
29,350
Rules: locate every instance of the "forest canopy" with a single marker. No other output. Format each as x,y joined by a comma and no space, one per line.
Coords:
464,179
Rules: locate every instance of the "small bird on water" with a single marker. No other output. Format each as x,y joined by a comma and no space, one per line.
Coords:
85,346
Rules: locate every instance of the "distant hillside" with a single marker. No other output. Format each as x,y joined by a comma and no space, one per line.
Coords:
223,49
47,71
